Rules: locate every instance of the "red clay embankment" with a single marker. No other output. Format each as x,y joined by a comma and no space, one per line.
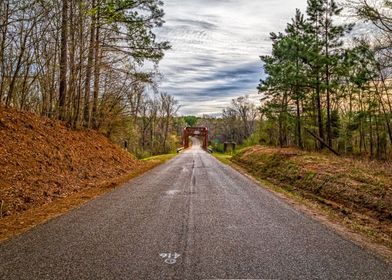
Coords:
47,169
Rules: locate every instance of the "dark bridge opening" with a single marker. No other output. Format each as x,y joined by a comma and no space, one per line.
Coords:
200,132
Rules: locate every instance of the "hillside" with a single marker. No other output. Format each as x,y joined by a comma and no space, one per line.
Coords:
44,163
357,192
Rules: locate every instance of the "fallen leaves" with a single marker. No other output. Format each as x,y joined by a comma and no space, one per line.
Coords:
41,161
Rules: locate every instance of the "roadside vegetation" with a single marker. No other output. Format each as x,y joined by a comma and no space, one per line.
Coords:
322,132
76,78
48,169
92,64
76,73
325,85
358,192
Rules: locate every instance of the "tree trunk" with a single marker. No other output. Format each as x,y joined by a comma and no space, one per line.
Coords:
371,136
63,60
87,89
299,129
97,68
4,14
327,79
319,111
72,58
78,110
297,100
15,74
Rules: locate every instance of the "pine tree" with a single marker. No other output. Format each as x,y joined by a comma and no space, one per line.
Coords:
296,36
324,55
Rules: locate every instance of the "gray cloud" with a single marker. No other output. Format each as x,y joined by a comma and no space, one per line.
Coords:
216,48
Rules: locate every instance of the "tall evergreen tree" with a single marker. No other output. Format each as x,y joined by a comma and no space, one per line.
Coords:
324,54
287,74
297,37
312,79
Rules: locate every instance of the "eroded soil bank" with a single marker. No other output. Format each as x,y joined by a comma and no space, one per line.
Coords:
47,168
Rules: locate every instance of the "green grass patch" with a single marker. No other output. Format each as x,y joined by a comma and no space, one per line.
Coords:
224,158
160,158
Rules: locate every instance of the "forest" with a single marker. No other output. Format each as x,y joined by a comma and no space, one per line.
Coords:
84,62
328,84
95,65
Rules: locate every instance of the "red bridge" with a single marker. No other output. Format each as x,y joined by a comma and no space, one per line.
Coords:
200,132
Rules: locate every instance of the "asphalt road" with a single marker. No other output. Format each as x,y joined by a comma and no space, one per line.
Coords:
191,218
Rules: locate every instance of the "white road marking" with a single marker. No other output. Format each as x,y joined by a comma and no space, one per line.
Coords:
173,192
170,258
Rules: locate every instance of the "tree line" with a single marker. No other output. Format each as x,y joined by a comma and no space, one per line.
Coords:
325,86
83,62
238,123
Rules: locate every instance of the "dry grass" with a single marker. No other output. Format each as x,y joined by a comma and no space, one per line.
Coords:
14,225
47,169
359,192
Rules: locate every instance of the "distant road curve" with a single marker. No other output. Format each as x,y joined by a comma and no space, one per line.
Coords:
191,218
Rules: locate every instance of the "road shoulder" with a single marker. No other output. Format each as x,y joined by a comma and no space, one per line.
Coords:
317,211
15,225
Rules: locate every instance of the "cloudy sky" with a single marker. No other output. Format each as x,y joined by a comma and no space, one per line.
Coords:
216,46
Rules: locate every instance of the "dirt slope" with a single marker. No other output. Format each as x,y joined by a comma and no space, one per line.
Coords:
41,161
360,192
